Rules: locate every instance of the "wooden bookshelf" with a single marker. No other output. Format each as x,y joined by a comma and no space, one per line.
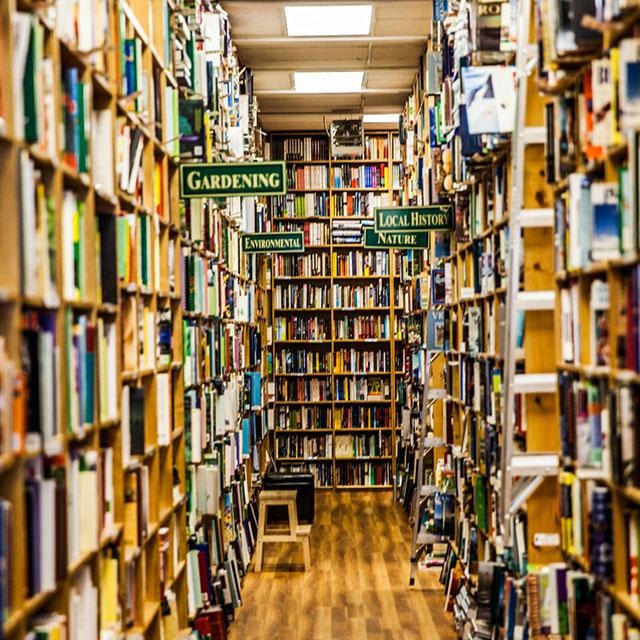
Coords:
93,295
594,355
100,302
580,313
332,344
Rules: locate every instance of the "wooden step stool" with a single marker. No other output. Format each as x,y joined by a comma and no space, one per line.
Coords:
277,533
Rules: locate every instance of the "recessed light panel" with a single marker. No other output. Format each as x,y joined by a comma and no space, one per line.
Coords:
328,81
329,20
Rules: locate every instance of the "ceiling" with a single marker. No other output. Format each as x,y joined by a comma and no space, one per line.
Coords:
389,57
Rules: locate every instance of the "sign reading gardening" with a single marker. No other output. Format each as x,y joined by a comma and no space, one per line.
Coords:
232,179
285,242
396,239
430,218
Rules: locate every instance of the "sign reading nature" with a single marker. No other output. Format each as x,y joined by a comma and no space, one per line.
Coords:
429,218
232,179
285,242
396,239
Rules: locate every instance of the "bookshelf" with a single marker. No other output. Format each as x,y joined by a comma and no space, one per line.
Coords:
87,250
339,379
129,320
596,308
578,530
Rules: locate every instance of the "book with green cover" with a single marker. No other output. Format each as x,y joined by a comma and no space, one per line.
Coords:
480,494
84,119
29,82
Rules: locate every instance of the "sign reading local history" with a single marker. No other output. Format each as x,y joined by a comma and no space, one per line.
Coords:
232,179
396,239
285,242
430,218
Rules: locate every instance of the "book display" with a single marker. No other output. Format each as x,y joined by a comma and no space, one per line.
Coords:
337,352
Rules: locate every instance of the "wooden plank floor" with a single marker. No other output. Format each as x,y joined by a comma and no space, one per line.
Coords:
358,583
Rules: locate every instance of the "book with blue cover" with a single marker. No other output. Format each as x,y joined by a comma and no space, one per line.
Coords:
435,331
605,241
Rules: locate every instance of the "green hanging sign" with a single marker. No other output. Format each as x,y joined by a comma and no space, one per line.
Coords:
285,242
223,179
430,218
396,239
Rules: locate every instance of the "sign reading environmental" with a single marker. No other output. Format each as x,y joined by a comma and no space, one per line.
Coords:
431,218
396,239
285,242
232,179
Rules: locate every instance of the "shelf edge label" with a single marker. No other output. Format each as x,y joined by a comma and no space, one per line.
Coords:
284,242
430,218
224,179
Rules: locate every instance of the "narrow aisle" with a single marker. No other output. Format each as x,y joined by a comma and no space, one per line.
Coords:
357,586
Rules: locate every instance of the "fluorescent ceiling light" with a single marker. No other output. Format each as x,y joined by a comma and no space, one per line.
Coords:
329,20
328,81
381,117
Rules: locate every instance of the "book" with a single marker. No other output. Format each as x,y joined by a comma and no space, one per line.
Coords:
436,331
73,246
628,88
599,319
103,150
489,92
605,243
137,424
80,345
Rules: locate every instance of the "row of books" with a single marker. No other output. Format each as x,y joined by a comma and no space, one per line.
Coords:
299,446
360,177
361,263
358,446
314,233
316,329
137,433
216,231
367,388
297,361
366,474
377,147
131,247
322,472
307,418
292,148
362,417
347,296
364,327
307,177
301,296
300,205
212,291
308,389
217,350
354,361
295,266
346,232
347,203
